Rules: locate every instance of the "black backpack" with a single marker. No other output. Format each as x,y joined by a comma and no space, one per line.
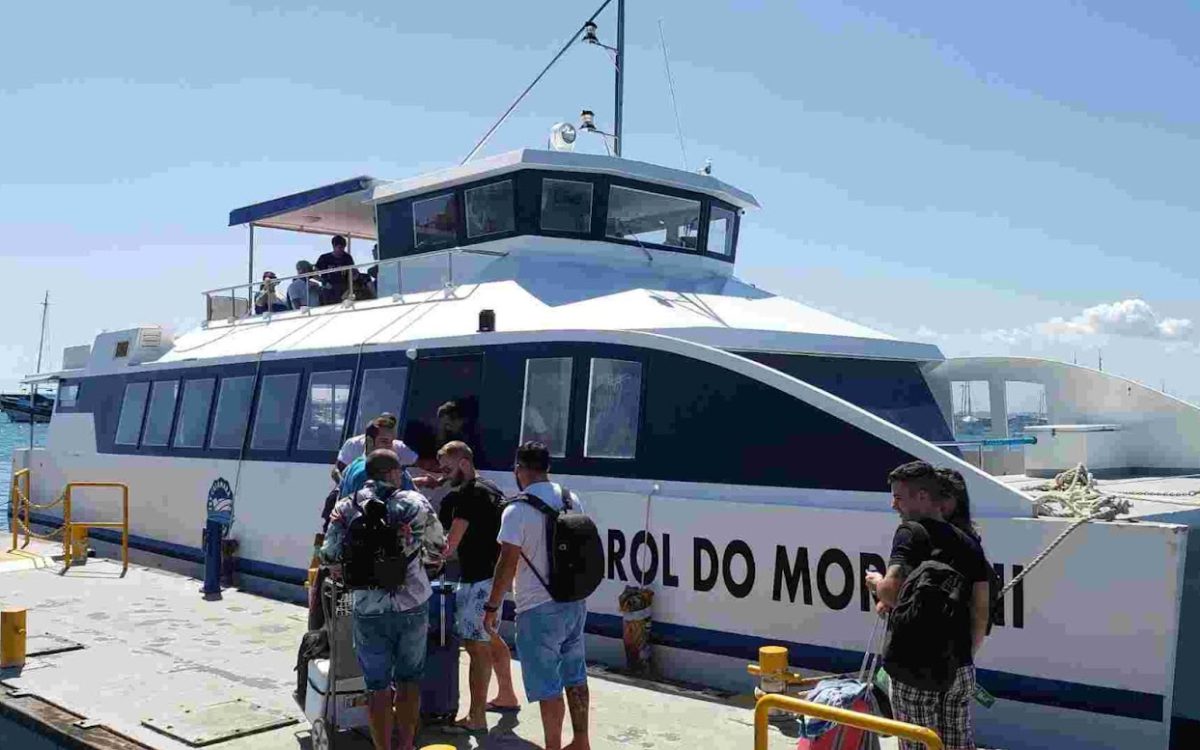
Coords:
931,616
573,548
375,558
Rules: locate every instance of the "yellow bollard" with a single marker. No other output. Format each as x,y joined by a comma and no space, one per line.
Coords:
12,637
79,545
773,664
439,747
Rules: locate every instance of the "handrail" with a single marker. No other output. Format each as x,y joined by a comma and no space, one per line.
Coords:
1025,440
70,526
17,499
255,287
867,722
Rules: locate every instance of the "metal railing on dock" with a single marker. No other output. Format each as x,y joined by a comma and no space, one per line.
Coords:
866,722
74,533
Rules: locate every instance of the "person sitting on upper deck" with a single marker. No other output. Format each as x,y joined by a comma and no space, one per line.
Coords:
334,286
304,292
267,300
364,286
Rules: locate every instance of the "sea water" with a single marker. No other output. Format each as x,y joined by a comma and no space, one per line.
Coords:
13,436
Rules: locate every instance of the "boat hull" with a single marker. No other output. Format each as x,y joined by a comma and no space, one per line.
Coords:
1087,651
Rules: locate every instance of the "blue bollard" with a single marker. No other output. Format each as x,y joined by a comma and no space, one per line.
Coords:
213,532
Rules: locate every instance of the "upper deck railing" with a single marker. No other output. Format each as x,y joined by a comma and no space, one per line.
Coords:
263,298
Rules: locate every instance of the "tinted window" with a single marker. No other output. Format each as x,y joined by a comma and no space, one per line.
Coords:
566,206
435,222
652,217
490,209
193,413
162,411
614,404
68,395
325,410
276,407
133,406
233,413
381,391
720,231
547,403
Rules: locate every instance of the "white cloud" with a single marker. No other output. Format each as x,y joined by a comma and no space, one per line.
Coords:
1132,317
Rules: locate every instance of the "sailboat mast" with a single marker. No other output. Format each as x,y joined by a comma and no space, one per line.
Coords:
42,340
33,389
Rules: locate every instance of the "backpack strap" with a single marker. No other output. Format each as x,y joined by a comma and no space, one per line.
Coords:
551,514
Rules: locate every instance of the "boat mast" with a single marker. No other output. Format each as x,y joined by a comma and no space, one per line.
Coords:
34,387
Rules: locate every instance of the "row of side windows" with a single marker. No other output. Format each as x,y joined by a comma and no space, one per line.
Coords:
148,410
182,413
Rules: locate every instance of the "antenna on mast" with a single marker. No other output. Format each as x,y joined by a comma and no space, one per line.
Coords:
662,38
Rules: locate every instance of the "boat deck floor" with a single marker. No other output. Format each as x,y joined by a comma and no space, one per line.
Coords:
115,651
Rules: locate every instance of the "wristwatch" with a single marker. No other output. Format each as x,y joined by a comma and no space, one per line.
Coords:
490,608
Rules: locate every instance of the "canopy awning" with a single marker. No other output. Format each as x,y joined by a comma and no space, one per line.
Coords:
333,209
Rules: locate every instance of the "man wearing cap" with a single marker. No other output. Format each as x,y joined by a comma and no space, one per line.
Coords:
306,291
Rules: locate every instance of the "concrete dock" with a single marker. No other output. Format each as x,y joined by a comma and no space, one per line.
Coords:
110,657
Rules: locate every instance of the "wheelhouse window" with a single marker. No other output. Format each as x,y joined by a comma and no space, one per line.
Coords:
547,403
566,206
720,231
162,412
653,218
614,406
193,413
325,410
68,395
133,408
435,222
381,390
233,413
276,408
490,209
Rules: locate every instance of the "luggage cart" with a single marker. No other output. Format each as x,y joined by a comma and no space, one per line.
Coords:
337,698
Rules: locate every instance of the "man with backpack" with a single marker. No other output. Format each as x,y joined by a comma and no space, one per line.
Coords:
476,505
384,538
936,596
553,551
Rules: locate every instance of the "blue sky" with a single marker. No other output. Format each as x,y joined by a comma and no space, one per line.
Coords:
962,173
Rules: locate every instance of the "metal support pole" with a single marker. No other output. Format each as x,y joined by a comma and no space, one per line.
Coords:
620,93
250,277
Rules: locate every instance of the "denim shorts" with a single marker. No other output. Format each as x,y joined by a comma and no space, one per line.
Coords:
390,646
550,647
469,599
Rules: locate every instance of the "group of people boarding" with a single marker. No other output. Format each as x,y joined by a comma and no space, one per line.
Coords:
386,540
389,539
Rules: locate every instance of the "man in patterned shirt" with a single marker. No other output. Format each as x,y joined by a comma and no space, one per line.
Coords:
390,619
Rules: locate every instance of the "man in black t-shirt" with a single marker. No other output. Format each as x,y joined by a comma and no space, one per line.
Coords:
474,508
921,536
334,285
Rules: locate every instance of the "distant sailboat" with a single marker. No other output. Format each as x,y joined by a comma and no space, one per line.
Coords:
32,406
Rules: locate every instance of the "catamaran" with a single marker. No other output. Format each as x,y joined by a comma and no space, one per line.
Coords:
732,444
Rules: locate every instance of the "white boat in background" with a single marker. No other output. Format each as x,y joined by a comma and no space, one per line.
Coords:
732,444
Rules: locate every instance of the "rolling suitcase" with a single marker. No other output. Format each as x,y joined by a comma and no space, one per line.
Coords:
439,688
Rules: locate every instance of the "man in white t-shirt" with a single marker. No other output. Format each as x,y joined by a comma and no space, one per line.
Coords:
355,447
549,633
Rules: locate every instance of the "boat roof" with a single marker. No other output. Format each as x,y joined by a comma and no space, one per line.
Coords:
339,208
565,161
